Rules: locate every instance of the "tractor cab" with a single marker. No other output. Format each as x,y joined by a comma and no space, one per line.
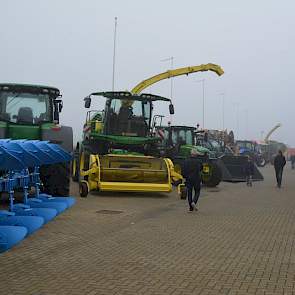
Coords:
32,112
248,146
176,136
27,110
253,150
182,135
216,144
179,141
125,122
29,104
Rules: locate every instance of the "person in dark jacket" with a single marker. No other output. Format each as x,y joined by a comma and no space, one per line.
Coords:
279,164
292,159
249,171
191,171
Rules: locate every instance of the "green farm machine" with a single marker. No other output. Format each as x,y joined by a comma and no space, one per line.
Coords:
118,151
219,162
221,148
177,144
32,112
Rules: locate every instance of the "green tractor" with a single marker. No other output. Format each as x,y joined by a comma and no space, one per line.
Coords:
118,151
32,112
219,145
216,145
177,144
124,124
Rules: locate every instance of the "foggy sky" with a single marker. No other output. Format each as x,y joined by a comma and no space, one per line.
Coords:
69,44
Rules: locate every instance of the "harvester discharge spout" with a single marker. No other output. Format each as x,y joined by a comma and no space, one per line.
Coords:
177,72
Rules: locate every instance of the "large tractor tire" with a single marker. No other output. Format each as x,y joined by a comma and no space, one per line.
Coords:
261,162
75,170
83,190
215,175
83,165
56,179
76,167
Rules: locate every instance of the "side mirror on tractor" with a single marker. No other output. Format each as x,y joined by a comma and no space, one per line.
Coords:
171,109
60,106
87,103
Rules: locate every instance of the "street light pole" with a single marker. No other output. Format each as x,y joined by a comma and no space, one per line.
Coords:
238,123
171,59
247,121
236,104
223,102
203,106
114,54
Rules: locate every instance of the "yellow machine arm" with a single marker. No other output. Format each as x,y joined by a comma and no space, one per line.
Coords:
266,139
177,72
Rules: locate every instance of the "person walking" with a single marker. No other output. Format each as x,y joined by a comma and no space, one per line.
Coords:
279,164
191,171
249,171
292,158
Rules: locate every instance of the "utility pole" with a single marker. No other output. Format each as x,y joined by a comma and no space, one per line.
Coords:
203,105
238,120
247,122
171,59
223,110
236,104
114,54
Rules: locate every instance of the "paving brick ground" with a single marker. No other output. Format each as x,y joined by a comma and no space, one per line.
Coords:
240,242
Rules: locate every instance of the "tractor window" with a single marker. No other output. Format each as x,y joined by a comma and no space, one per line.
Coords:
129,117
174,137
189,137
216,145
25,108
185,137
166,135
249,146
182,137
243,144
147,108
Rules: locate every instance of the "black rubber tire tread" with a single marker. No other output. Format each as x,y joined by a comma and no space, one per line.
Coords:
83,190
56,179
75,177
216,175
261,164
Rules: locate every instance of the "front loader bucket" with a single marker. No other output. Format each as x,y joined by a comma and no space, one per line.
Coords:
233,169
129,173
